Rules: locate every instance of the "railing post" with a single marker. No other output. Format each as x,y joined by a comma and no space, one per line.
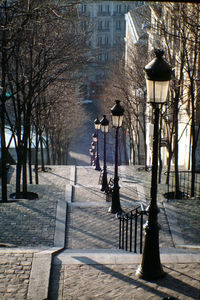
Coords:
141,231
131,231
120,232
126,233
123,233
126,229
135,240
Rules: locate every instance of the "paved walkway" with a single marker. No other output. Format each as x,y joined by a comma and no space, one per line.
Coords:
91,267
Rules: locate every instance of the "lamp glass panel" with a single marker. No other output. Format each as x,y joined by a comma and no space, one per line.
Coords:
97,126
121,120
117,120
157,91
104,129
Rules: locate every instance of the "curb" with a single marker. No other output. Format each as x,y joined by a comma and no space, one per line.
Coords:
40,273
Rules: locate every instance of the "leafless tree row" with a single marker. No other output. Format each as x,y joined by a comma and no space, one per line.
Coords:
41,50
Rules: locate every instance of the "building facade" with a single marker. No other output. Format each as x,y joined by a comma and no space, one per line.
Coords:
174,28
136,48
106,23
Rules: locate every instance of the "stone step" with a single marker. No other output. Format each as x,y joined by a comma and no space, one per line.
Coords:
105,256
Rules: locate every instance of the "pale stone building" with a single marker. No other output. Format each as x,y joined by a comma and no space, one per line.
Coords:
136,40
106,20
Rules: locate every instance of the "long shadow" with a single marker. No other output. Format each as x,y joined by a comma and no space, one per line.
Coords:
19,230
56,279
22,225
56,175
86,233
169,281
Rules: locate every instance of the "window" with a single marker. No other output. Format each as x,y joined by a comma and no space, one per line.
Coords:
118,24
107,8
99,42
106,56
100,25
100,9
126,8
119,7
106,40
83,8
107,25
100,57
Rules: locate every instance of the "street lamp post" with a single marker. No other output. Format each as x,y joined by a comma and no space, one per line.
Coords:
117,112
93,153
97,126
158,74
104,128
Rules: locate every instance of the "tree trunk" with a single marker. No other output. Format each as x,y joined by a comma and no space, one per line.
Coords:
47,147
177,191
3,154
2,125
36,156
124,146
41,149
30,160
194,142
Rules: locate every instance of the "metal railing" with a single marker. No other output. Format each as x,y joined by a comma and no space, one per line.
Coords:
131,229
185,178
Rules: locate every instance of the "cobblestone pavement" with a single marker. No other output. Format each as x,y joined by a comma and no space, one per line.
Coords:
28,223
15,268
90,226
188,218
32,224
187,211
108,282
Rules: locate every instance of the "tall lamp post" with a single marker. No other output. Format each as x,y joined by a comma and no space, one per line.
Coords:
158,74
104,128
117,112
93,152
97,126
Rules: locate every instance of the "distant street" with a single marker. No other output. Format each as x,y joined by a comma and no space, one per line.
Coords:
81,143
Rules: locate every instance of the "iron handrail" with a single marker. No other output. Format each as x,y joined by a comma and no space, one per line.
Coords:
130,228
185,179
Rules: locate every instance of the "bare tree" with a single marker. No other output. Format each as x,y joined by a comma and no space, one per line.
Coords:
177,30
42,43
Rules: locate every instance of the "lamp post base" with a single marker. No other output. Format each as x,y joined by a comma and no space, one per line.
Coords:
149,274
115,210
115,202
150,267
97,164
104,181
